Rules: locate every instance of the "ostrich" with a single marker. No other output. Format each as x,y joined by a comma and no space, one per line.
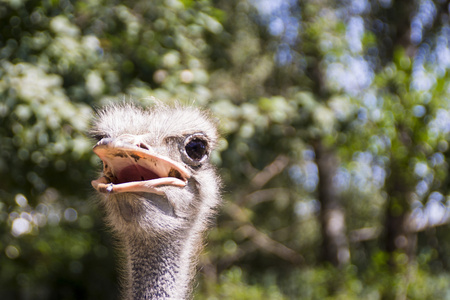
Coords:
159,193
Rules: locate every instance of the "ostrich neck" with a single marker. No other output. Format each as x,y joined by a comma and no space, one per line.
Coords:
161,268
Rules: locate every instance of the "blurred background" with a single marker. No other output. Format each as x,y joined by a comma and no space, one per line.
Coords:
335,117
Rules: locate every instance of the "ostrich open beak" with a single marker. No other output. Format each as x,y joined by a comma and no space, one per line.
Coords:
130,168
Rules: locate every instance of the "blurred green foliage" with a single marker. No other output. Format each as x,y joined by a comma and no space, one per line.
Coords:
335,123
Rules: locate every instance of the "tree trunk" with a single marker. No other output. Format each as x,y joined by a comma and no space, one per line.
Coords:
335,247
398,238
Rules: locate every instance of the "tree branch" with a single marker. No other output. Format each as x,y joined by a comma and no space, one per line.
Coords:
263,241
270,171
260,239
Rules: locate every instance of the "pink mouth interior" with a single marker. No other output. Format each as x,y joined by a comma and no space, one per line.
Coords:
134,173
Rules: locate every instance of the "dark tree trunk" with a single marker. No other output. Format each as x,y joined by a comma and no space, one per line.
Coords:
335,247
399,187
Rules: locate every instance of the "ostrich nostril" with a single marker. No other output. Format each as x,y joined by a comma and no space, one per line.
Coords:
143,146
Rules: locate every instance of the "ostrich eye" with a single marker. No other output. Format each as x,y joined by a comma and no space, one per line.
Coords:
196,148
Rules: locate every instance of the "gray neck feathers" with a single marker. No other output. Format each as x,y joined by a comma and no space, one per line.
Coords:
162,268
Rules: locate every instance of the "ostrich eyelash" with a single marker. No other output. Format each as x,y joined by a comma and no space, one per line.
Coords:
99,137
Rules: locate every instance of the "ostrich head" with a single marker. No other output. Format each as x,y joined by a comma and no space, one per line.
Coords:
158,190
